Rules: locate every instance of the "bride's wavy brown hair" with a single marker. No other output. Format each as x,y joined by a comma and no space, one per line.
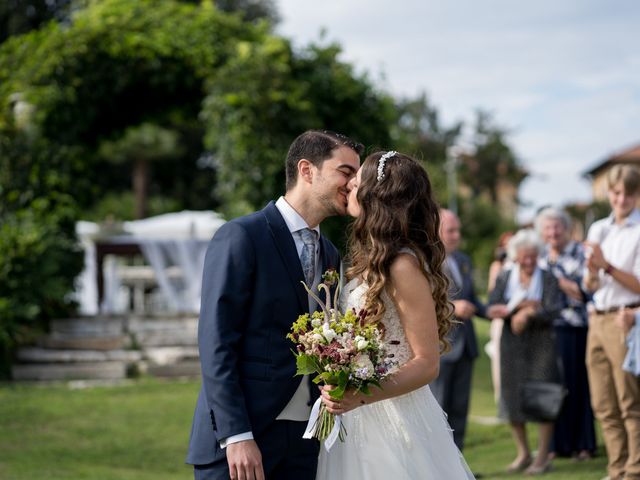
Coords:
398,212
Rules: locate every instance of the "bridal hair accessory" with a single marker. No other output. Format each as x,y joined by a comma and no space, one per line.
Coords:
382,161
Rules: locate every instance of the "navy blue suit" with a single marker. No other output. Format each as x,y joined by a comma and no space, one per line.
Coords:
251,294
452,388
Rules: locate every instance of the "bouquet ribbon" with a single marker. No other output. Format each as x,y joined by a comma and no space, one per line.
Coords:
313,423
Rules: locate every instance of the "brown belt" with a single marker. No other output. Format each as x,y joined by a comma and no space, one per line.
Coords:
615,309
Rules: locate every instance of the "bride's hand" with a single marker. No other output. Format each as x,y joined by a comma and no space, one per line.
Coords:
350,401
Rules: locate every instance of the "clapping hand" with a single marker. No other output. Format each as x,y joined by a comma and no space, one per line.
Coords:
499,310
595,260
520,319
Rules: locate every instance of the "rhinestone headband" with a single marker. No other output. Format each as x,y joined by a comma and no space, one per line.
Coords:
382,161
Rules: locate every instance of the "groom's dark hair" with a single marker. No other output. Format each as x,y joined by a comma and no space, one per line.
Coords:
315,146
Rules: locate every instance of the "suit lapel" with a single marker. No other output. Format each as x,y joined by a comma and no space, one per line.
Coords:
286,247
462,271
326,262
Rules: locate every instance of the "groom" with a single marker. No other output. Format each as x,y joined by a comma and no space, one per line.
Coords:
252,411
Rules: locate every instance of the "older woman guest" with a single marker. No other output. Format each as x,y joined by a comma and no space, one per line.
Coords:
528,299
574,432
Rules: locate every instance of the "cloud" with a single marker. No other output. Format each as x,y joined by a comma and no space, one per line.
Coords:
564,77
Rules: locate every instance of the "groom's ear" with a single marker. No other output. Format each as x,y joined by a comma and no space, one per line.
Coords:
305,172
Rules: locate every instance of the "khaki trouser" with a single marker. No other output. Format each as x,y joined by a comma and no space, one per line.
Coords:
615,395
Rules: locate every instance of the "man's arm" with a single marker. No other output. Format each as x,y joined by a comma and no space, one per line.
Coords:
226,294
480,308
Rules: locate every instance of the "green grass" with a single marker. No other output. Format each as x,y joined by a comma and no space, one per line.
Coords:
135,431
490,448
139,431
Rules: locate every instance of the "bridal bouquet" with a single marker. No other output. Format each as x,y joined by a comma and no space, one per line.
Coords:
342,350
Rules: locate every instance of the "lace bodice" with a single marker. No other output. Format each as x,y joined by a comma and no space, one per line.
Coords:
353,296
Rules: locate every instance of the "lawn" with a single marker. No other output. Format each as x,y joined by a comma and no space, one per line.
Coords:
140,431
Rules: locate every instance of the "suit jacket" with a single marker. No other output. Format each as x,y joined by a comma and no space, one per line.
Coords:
251,294
463,336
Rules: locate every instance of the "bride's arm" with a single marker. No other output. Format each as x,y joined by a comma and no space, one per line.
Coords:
412,295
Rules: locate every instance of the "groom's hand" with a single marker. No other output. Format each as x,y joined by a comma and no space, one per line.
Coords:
245,461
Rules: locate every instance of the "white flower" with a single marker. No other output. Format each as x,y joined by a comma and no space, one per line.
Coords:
363,366
317,337
328,333
362,344
316,322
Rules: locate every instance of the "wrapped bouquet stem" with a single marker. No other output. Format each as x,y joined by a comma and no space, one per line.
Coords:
341,349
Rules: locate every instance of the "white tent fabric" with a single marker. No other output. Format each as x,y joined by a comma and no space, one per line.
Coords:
171,243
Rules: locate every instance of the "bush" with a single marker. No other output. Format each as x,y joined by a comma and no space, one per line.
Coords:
39,260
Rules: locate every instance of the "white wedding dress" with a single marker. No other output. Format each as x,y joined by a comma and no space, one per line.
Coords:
402,438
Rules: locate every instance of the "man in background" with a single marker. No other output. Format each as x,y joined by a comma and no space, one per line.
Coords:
452,388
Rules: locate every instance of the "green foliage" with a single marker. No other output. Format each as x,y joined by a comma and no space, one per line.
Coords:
118,206
419,128
492,161
39,260
249,130
21,16
419,132
482,224
120,64
70,94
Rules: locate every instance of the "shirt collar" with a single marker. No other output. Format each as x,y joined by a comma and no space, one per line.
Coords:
632,219
293,219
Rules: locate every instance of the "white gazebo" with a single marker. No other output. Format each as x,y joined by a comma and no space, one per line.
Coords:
167,277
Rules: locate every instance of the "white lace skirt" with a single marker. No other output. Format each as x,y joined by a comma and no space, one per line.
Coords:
405,437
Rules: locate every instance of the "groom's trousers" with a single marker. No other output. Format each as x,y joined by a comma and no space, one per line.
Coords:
285,455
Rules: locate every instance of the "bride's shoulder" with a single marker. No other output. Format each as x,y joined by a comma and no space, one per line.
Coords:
405,272
404,263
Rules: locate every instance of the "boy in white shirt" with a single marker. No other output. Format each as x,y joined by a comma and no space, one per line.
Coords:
613,274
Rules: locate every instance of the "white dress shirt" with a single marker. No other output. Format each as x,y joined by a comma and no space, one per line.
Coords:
299,406
620,246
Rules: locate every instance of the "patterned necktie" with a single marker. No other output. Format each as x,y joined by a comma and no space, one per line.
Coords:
308,256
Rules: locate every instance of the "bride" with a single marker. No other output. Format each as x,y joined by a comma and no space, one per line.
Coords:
399,431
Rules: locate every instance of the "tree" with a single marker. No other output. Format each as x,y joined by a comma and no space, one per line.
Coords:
249,130
419,132
141,145
18,17
21,16
69,93
120,64
492,161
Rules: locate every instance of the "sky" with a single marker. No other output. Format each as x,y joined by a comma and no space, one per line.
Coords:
562,76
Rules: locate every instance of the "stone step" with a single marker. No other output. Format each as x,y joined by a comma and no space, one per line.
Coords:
62,342
187,368
137,324
169,355
45,355
69,371
164,331
88,327
166,339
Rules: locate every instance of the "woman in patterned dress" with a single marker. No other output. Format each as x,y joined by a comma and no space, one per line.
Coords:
574,432
528,299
